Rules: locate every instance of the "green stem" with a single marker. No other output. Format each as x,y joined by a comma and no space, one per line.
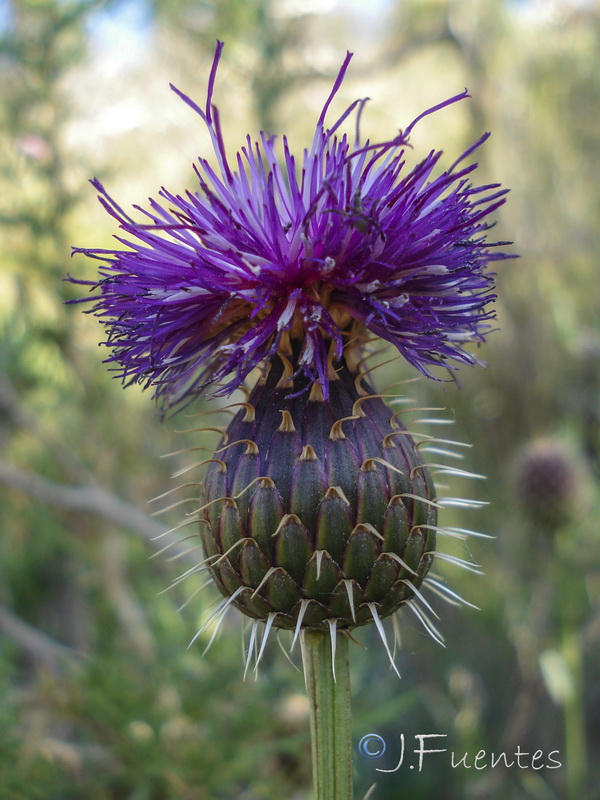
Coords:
330,714
575,744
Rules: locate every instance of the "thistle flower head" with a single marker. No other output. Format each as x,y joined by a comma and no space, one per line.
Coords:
317,509
319,248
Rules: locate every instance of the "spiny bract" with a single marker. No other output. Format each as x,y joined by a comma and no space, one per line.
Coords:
318,511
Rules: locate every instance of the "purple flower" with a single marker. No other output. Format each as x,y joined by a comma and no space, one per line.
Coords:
343,240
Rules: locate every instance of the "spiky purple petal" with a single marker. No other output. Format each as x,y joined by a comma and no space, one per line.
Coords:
206,284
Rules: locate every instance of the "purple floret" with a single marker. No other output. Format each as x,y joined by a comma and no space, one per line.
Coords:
209,284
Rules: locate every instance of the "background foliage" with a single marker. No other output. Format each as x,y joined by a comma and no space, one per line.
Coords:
101,698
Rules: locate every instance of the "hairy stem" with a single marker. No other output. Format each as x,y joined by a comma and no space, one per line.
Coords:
327,676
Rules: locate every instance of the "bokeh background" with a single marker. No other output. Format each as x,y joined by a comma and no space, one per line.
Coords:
100,696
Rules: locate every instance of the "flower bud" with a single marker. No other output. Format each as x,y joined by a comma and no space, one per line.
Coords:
548,484
312,507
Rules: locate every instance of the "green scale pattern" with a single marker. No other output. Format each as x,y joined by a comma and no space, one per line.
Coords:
321,509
